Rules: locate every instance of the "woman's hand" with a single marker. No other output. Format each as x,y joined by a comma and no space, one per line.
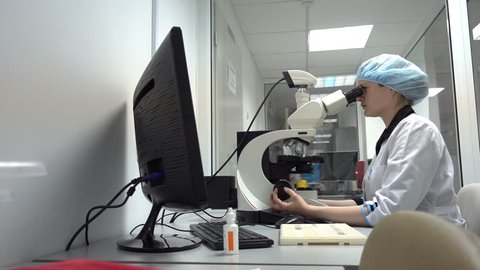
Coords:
294,205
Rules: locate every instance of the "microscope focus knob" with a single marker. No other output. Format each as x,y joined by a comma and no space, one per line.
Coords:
280,186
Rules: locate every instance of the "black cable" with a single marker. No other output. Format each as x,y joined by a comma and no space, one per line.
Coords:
198,215
246,132
159,221
163,216
102,208
174,215
181,230
177,215
210,215
134,228
134,182
177,229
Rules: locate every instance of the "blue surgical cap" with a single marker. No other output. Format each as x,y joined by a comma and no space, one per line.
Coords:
396,73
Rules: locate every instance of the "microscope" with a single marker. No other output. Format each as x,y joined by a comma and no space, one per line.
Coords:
253,187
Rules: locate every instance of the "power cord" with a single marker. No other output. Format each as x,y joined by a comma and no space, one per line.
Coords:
131,189
176,214
212,216
102,208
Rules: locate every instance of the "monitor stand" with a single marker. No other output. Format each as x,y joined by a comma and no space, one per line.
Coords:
146,241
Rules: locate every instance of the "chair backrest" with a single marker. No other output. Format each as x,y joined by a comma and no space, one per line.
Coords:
416,240
469,203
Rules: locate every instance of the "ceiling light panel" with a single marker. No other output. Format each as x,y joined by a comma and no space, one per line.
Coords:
476,32
339,38
335,81
434,91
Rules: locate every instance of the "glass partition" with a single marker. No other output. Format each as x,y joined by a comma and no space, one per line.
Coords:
432,54
473,7
250,52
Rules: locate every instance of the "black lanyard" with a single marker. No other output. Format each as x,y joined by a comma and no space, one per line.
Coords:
401,114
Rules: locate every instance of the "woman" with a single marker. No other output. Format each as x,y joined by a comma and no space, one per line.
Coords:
412,169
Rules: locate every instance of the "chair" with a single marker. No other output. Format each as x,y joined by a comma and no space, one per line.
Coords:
469,203
417,240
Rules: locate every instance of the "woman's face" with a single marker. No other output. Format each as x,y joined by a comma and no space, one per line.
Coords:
376,99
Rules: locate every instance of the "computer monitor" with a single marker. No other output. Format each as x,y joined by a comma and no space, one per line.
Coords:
167,143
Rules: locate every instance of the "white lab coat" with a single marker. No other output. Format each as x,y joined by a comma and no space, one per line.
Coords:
412,171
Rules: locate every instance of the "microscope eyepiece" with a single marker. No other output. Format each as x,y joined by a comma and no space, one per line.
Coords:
352,95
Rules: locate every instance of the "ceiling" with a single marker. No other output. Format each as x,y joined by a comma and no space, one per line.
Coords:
276,31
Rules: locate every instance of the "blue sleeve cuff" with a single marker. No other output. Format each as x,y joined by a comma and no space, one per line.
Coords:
364,215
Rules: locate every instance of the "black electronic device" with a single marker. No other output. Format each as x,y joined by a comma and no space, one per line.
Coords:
212,234
167,142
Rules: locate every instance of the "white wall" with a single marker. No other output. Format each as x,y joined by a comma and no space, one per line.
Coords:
253,95
233,109
67,74
252,84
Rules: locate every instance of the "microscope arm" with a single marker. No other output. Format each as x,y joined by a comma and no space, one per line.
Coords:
312,113
254,188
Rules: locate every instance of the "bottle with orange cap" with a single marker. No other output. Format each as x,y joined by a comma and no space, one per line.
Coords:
230,233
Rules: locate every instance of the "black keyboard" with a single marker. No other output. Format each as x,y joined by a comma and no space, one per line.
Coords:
212,234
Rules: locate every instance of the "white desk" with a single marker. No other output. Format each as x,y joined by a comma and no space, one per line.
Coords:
275,257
